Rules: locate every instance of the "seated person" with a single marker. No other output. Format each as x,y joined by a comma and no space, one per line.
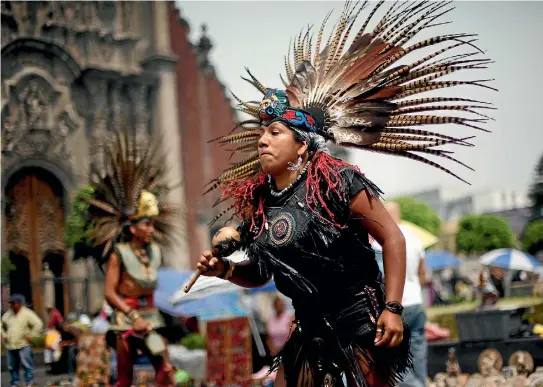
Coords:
70,332
52,350
488,292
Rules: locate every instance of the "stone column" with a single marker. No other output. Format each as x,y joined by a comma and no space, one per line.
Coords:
166,123
116,107
97,116
48,289
140,110
78,291
202,50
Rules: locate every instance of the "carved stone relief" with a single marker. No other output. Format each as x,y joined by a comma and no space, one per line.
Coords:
29,107
91,32
34,99
14,63
100,51
37,118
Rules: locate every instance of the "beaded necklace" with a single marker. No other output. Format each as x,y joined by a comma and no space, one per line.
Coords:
288,187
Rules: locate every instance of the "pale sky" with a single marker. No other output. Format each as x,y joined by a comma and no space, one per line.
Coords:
256,34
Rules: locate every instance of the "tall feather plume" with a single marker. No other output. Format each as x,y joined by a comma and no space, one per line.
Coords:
128,167
371,100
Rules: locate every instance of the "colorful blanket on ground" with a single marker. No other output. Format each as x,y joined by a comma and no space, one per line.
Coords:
93,361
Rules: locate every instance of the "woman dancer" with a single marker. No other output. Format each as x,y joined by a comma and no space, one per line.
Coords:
305,216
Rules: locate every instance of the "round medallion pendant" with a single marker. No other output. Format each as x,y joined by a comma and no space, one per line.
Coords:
282,229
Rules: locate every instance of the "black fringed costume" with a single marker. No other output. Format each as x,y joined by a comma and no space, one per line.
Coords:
332,277
357,95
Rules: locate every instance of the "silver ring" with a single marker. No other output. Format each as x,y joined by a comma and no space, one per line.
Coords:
380,330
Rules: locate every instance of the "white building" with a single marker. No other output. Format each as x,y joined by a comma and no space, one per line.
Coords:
451,204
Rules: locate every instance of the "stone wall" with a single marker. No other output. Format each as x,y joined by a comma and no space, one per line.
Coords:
205,112
72,72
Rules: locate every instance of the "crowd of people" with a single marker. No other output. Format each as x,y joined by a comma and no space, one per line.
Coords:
22,329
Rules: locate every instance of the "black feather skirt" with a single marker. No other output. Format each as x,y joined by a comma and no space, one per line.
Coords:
326,344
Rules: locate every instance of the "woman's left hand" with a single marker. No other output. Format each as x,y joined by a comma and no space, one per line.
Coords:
389,330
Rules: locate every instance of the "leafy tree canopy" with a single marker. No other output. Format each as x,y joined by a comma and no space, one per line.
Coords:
478,234
532,240
536,191
77,226
419,213
6,267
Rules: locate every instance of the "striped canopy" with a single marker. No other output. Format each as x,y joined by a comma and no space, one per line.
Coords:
510,259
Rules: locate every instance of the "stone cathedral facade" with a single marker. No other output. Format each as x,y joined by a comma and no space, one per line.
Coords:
70,72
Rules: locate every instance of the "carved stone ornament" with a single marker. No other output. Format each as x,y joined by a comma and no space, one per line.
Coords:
34,98
37,118
90,31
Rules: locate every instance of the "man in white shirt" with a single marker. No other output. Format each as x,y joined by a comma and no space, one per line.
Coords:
412,301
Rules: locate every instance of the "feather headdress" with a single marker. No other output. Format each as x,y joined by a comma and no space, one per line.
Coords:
126,189
358,96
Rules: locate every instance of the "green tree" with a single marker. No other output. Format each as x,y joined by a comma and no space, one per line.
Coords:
536,191
419,213
6,266
532,240
77,227
478,234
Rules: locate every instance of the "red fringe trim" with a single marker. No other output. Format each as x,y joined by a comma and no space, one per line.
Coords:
323,167
241,192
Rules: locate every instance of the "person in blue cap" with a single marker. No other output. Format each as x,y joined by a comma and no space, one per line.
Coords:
20,325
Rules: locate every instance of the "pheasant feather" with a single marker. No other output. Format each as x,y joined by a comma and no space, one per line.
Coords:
128,169
361,91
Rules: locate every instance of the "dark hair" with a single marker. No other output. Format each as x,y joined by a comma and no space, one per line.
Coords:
126,234
314,141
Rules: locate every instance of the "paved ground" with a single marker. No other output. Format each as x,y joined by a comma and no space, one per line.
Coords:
41,379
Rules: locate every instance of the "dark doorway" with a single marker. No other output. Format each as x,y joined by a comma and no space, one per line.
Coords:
19,278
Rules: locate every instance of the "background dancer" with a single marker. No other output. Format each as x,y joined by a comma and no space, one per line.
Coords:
128,220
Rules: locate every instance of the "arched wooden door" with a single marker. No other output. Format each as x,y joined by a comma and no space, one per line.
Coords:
34,230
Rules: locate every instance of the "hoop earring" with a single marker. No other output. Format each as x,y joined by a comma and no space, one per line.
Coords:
294,167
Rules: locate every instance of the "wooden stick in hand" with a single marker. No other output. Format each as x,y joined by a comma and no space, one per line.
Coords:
224,243
192,281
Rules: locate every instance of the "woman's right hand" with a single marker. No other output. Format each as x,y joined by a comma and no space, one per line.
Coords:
209,265
140,325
